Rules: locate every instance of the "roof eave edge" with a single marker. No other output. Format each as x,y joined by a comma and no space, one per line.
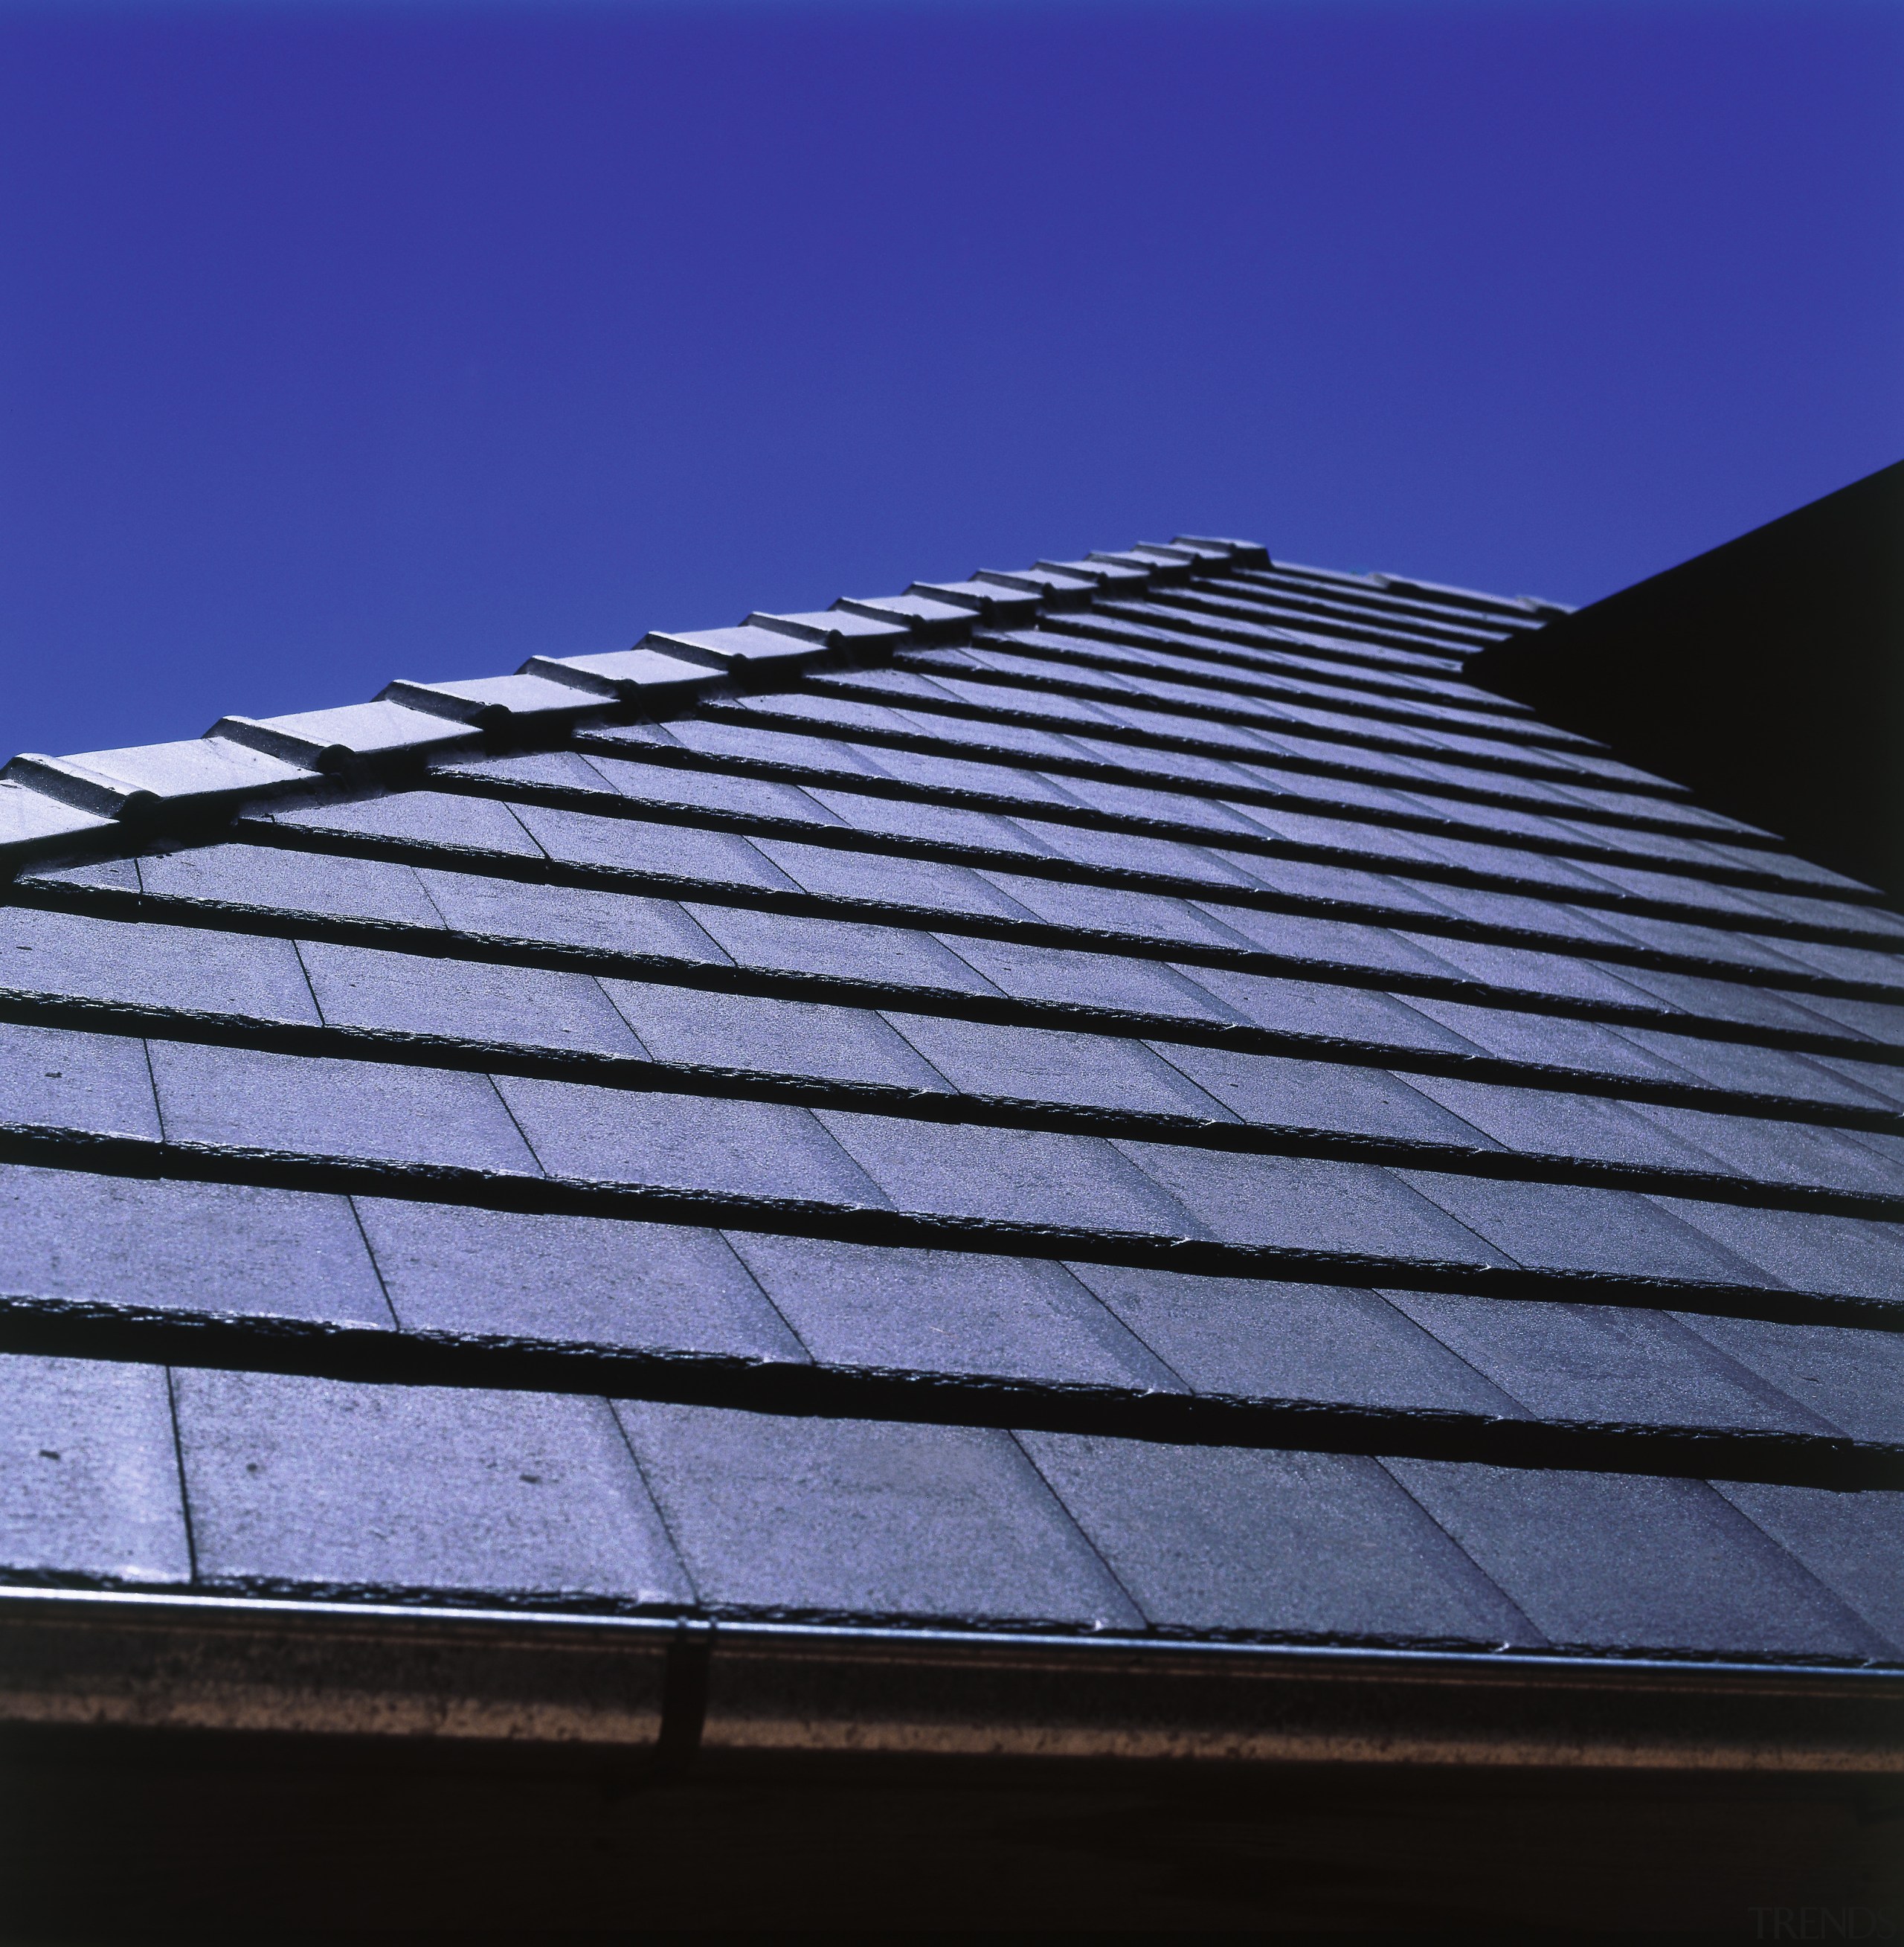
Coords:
745,1694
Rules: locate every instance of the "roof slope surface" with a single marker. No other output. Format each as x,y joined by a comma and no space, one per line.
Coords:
1128,1098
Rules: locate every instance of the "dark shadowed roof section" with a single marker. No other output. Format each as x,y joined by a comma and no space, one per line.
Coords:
1767,674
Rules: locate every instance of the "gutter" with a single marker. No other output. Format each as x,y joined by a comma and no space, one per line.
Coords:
745,1697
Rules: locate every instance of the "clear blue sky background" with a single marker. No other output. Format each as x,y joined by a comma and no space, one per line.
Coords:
343,343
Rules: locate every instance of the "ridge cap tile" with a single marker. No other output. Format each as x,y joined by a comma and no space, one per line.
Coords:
743,645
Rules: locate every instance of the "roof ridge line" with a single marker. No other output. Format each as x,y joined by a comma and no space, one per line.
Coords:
53,803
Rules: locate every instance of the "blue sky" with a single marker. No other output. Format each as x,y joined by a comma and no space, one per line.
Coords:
343,343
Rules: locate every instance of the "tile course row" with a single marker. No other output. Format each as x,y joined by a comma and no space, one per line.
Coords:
299,1486
1736,978
1052,1188
373,1003
1266,691
1745,978
206,972
84,1244
1389,828
1190,762
1422,878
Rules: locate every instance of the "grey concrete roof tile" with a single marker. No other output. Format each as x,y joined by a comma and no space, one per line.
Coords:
770,1036
896,1309
1552,1122
1129,801
1548,1041
1881,1021
89,1473
1002,1175
1337,942
197,769
843,949
1852,1542
30,817
146,963
934,770
1560,878
1183,768
1000,743
1556,1227
319,738
880,878
1715,999
67,1079
1287,1544
1310,828
1292,1203
645,673
418,994
1521,912
1262,1339
1772,1151
640,845
676,1142
268,878
441,820
146,1244
753,743
1845,1257
1106,571
763,649
1043,581
921,612
561,770
508,910
1391,896
1627,1562
599,1282
110,875
935,824
867,1519
1850,1376
318,1106
1723,946
1054,1065
1279,1091
1602,1363
1070,976
834,626
987,598
1112,909
310,1484
1526,970
1748,1070
830,714
1326,1010
530,697
1883,1079
1167,859
673,787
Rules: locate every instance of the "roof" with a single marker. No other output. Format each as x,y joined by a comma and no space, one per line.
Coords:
1126,1106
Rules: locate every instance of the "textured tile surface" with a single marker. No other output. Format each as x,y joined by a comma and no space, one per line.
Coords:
866,1519
947,1312
1144,1006
1619,1561
589,1281
1322,1545
88,1475
397,1489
